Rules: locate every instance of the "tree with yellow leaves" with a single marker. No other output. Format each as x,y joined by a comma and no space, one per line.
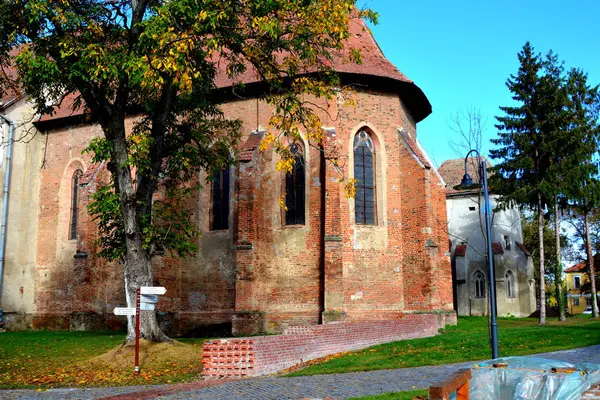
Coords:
159,58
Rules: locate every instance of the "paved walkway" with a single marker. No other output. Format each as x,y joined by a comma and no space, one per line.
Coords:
338,386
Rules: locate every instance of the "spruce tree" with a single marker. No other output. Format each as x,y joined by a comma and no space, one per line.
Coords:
523,149
554,127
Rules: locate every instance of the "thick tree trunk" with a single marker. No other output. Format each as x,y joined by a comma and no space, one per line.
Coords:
138,269
590,257
541,266
558,273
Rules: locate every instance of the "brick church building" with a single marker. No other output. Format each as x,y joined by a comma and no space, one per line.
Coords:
259,268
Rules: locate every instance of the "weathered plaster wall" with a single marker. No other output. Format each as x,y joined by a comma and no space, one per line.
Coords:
19,265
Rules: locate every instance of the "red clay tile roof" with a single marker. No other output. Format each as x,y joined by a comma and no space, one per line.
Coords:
453,171
373,63
524,249
497,248
460,250
582,266
9,74
414,148
65,109
251,144
91,173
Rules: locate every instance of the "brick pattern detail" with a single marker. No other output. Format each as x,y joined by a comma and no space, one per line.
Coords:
262,355
261,275
228,358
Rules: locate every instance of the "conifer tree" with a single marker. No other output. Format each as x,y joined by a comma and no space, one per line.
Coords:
582,186
523,155
554,126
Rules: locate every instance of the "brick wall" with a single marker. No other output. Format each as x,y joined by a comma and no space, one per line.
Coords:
261,355
261,275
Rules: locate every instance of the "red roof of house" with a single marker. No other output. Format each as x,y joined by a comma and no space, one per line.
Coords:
453,171
582,266
497,248
460,250
373,64
13,90
414,148
251,144
524,249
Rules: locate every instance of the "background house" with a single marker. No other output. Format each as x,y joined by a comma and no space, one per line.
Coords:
578,299
515,286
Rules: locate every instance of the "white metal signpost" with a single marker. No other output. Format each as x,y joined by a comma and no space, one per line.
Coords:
146,298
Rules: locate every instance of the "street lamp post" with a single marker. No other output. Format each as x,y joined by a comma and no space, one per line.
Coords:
467,183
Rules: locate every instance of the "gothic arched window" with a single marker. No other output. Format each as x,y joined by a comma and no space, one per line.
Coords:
74,204
364,173
509,282
295,188
220,201
479,280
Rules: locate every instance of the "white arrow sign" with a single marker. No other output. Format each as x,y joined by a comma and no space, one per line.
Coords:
146,306
152,290
124,311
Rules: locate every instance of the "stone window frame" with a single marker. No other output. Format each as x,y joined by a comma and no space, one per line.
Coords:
301,158
74,209
478,284
65,199
211,214
364,141
576,301
380,161
509,285
507,243
576,286
280,210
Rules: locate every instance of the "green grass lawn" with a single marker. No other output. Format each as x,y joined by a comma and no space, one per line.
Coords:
51,359
468,341
419,394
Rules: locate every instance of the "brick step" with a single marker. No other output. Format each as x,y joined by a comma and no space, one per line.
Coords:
228,358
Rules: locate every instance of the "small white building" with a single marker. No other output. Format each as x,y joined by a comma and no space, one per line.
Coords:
515,285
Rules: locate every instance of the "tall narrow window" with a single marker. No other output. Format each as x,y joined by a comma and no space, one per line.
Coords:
294,189
576,282
364,173
509,282
220,201
507,242
74,204
479,279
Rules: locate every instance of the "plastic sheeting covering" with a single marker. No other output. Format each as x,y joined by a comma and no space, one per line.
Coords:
531,378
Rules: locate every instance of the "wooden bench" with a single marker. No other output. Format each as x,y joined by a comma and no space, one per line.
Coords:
457,382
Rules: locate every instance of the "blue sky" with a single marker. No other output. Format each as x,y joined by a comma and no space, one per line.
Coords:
461,52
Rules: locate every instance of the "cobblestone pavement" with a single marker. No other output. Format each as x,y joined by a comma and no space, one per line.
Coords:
338,386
